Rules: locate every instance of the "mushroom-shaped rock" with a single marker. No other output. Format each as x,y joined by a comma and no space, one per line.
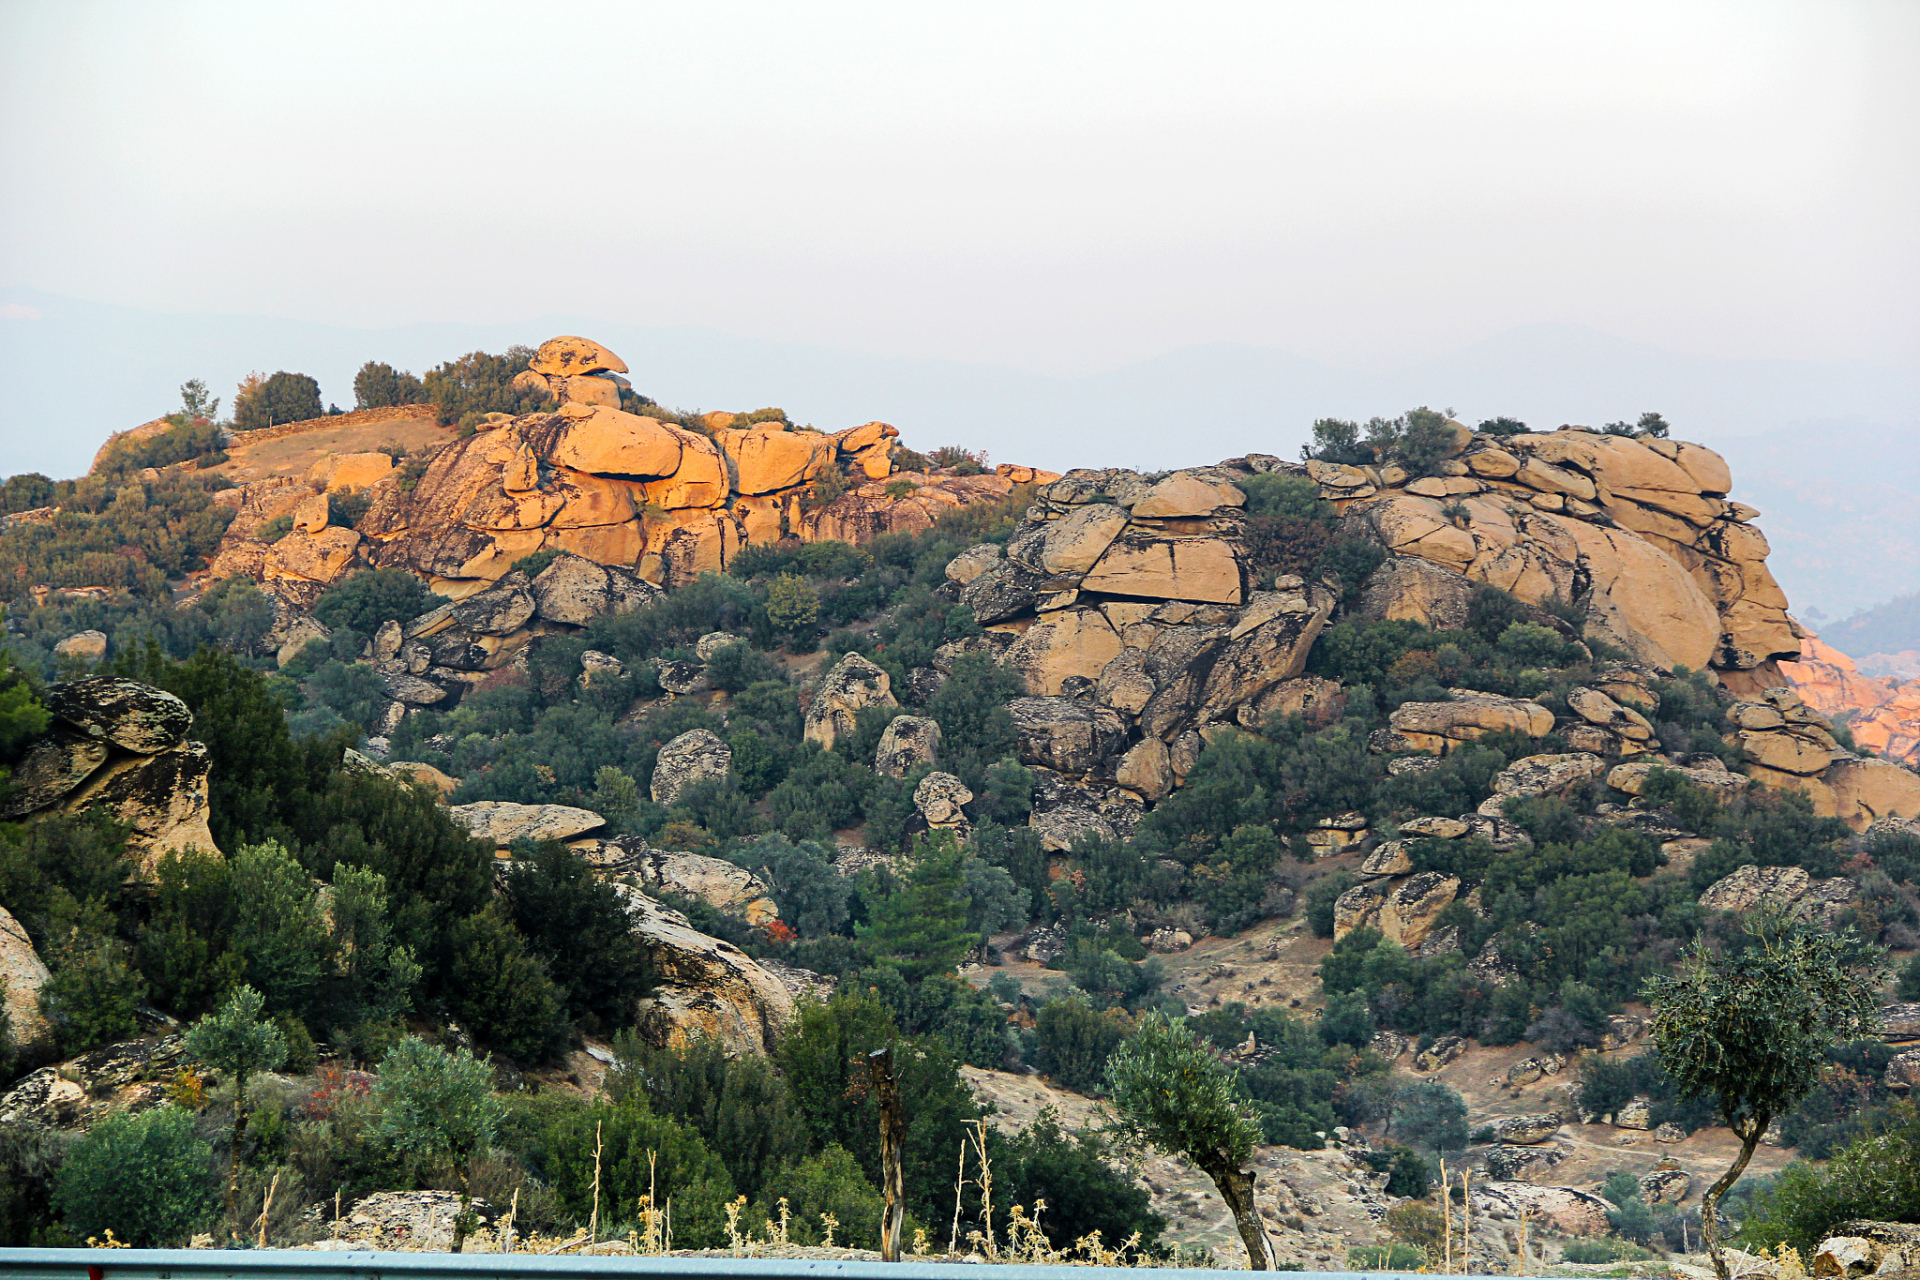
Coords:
908,743
134,717
703,987
311,516
853,685
567,355
575,590
83,646
939,797
698,755
22,974
501,822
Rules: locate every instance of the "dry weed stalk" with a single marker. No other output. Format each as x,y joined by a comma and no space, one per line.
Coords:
267,1208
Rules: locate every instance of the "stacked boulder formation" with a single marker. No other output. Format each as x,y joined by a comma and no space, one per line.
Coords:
654,498
1128,606
121,747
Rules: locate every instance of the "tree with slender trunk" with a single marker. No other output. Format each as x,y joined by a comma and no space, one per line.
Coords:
1750,1025
434,1104
1170,1091
236,1041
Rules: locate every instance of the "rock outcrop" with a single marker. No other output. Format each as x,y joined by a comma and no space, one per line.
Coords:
1637,532
1883,714
851,687
703,987
502,822
121,747
22,974
697,755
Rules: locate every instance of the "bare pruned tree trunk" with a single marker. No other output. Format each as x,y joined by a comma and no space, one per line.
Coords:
1749,1131
893,1133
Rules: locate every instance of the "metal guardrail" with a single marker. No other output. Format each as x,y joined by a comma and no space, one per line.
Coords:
291,1264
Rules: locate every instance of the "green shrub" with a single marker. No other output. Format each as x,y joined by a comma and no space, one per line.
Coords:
146,1176
363,600
283,397
1073,1041
578,925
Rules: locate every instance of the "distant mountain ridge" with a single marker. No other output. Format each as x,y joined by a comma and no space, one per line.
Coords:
1826,450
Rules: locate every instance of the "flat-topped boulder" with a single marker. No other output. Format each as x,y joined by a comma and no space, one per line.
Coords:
502,822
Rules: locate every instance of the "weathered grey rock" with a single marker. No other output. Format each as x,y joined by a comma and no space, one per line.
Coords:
1788,889
1003,590
499,612
715,881
1548,775
596,666
939,797
972,562
853,685
1439,1053
51,768
1561,1208
300,632
1167,941
1124,683
703,986
1636,1113
1632,778
1599,709
1508,1164
908,743
1525,1131
1900,1022
132,716
713,642
1315,699
1435,828
1903,1072
1268,644
1390,859
1409,588
1065,734
1069,546
409,1221
575,590
386,641
76,1094
1880,1248
22,974
1665,1186
413,691
502,822
89,647
698,755
681,678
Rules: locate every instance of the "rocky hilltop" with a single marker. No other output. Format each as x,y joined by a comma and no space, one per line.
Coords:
619,488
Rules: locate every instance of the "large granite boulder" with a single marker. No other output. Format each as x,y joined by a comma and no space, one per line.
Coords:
698,755
909,743
853,685
715,881
704,987
22,974
1065,734
502,822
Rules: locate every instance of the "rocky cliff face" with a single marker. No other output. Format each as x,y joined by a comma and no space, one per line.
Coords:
1882,713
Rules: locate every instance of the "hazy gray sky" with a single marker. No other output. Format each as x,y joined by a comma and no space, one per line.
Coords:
1063,187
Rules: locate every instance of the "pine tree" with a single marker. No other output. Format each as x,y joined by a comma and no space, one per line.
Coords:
921,927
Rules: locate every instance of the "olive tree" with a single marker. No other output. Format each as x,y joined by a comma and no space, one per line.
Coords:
1172,1092
437,1104
1749,1027
236,1041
